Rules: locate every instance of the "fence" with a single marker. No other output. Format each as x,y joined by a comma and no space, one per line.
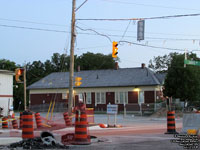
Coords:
59,107
132,108
150,108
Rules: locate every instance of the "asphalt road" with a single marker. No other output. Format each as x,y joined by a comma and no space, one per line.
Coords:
137,133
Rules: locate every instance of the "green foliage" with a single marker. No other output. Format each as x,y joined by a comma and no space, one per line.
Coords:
91,61
58,63
161,63
7,65
180,82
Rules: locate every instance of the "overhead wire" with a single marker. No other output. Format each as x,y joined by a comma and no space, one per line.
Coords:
93,47
32,22
32,28
81,5
115,35
151,46
148,5
147,18
126,30
174,34
95,32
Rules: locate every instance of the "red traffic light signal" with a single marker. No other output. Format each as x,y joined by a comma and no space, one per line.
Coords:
114,49
18,73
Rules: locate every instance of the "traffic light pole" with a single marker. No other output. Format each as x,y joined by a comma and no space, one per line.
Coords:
71,71
25,88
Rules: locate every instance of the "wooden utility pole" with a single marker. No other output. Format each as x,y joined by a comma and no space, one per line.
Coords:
25,88
71,71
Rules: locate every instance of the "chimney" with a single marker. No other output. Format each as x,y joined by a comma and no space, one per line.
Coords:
143,65
78,68
116,66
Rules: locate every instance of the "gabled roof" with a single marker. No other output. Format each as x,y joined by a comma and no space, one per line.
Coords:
161,77
6,72
101,78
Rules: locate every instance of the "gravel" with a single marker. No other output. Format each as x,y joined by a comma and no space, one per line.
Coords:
35,143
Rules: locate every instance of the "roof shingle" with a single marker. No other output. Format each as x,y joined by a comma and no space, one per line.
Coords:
101,78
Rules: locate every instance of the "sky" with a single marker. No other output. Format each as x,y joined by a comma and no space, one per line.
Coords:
35,29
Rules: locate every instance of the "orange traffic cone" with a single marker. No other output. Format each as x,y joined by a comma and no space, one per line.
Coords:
38,120
14,123
81,134
171,127
4,122
67,120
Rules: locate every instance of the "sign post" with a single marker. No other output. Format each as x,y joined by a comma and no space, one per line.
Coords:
112,110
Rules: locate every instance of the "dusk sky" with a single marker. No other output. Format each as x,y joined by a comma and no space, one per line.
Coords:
35,29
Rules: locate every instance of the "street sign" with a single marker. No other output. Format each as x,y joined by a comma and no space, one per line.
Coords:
191,62
112,109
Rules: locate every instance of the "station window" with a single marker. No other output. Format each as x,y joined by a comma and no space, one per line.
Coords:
100,98
121,97
88,98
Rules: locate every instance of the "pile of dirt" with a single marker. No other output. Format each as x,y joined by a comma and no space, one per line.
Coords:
36,143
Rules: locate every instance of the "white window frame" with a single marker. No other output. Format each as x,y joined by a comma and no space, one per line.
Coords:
100,98
88,98
121,97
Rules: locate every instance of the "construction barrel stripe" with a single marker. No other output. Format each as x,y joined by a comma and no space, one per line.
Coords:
38,120
14,124
27,130
5,123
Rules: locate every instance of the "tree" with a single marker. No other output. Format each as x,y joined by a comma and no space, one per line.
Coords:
91,61
183,83
60,63
7,65
161,63
35,72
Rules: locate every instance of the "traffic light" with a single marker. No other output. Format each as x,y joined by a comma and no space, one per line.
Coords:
78,81
18,73
114,49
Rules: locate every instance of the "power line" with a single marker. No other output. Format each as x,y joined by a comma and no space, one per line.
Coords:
159,6
81,5
151,46
127,19
136,32
125,30
172,39
93,47
96,33
31,28
82,24
32,22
